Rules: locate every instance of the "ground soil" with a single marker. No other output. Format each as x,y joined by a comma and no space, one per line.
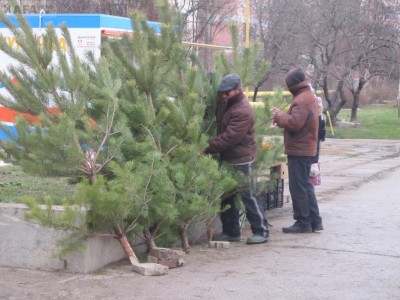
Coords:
357,256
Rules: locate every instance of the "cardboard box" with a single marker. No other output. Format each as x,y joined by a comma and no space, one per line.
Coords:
281,169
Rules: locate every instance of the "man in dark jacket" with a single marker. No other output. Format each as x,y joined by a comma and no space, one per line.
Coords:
300,137
235,142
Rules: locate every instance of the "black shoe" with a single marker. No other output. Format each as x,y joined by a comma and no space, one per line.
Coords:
226,238
318,227
297,228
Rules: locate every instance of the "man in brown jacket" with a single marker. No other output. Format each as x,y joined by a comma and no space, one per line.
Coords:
235,142
300,137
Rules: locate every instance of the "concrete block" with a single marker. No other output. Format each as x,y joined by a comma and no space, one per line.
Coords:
150,269
26,244
219,245
197,231
99,251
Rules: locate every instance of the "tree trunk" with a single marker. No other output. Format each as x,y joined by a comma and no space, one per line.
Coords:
356,99
184,238
330,101
210,231
325,87
92,178
151,244
123,240
343,101
259,84
151,105
331,108
354,107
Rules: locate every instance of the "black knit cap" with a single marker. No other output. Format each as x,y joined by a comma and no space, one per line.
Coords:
294,76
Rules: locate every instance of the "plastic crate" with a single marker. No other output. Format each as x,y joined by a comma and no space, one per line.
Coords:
272,199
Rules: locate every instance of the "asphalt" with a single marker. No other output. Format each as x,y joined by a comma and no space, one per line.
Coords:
357,256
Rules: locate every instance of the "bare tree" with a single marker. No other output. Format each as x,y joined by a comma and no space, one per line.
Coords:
343,43
203,21
277,30
358,43
375,52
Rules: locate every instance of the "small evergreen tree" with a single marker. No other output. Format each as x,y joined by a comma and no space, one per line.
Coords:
54,85
148,121
77,136
164,101
146,105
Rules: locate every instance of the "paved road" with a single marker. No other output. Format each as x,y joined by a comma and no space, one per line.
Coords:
357,256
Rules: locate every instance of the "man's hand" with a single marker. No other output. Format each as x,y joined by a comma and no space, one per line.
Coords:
274,111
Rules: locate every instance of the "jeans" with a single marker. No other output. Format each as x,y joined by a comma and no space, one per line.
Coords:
254,210
304,201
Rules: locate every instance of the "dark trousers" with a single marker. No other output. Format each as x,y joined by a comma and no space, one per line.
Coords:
254,210
305,205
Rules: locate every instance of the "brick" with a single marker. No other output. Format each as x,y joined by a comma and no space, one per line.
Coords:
219,245
170,263
168,257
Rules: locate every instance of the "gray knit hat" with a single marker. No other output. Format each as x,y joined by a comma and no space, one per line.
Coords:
229,82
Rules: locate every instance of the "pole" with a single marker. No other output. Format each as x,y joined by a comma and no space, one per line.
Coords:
330,121
247,32
247,23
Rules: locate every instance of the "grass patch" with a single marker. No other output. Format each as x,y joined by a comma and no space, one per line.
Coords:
15,184
375,123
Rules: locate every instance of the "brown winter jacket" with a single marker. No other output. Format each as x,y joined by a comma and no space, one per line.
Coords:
235,140
300,123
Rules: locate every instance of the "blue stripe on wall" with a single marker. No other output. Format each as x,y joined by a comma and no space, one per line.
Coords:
4,136
80,21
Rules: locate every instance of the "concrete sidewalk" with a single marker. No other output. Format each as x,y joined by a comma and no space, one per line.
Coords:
357,256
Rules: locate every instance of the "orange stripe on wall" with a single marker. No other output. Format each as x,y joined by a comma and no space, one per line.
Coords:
9,115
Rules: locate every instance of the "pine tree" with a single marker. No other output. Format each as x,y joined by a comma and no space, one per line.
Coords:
165,101
77,136
126,108
132,123
66,141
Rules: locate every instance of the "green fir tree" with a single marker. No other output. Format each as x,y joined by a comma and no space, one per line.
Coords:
164,101
75,131
123,108
132,123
